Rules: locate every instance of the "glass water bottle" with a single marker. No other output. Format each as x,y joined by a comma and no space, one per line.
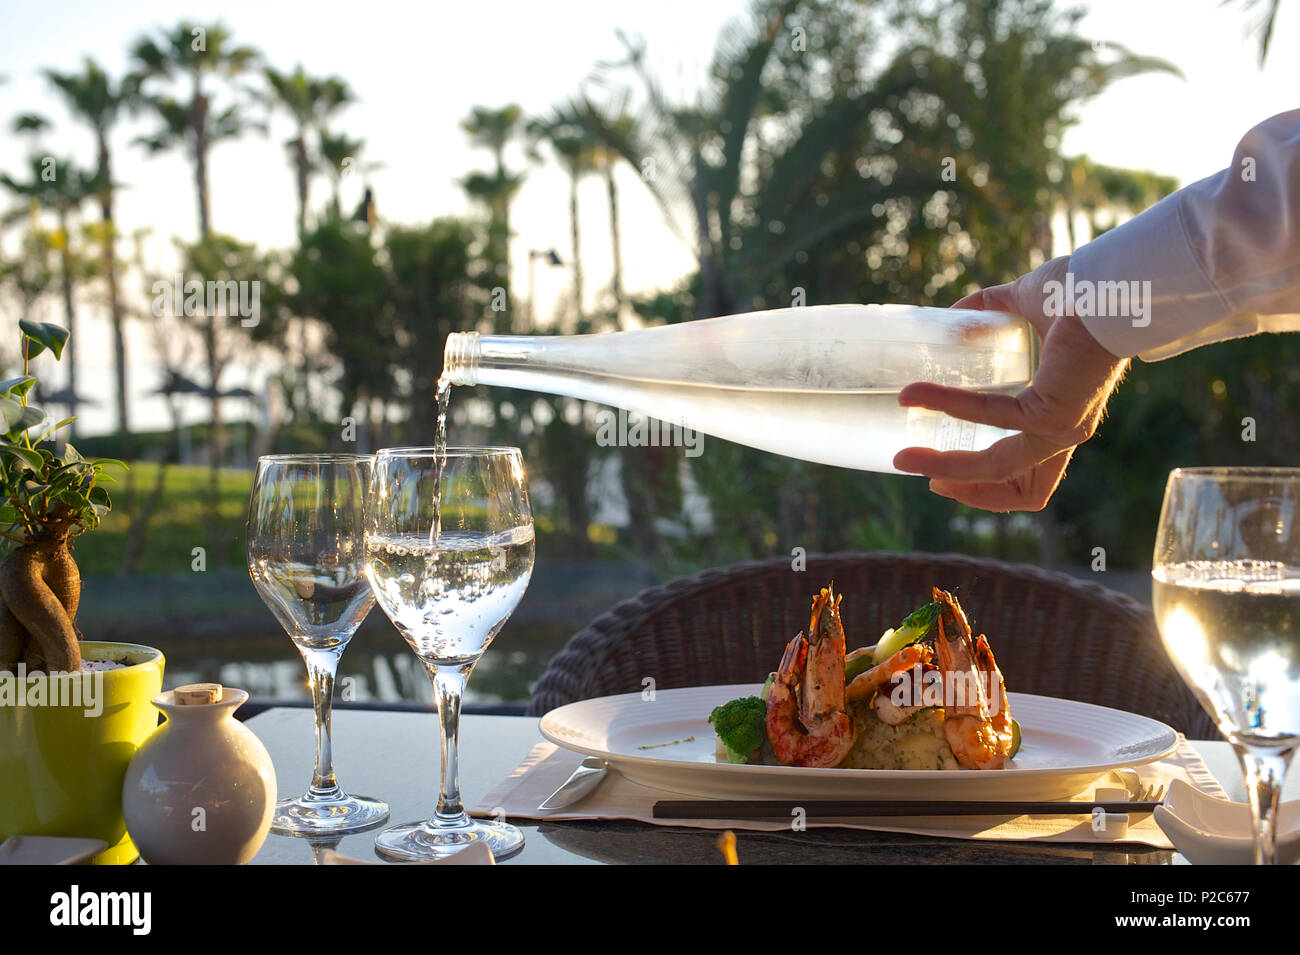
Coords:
819,382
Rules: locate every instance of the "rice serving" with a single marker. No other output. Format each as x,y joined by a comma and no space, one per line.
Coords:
916,743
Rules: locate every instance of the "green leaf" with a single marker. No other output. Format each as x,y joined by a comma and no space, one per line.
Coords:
44,334
11,412
17,386
99,495
74,499
49,431
71,455
64,479
26,456
29,418
111,462
9,515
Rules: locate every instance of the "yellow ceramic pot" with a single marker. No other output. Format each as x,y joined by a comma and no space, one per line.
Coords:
65,742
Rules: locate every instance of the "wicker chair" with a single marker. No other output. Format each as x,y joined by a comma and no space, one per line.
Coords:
1053,635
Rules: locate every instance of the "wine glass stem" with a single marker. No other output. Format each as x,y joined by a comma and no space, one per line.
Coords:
1265,769
448,687
322,665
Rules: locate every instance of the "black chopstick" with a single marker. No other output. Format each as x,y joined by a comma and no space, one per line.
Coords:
831,809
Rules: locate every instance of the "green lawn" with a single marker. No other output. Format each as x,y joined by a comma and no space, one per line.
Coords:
178,524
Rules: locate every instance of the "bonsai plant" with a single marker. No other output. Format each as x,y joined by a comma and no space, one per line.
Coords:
46,500
65,753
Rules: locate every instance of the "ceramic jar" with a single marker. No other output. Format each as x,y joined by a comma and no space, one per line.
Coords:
201,790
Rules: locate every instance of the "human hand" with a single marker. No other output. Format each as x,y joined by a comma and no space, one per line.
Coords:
1059,410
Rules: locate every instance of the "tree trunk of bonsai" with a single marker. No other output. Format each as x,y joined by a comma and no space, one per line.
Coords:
40,587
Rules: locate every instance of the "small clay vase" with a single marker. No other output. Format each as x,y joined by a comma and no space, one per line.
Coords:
201,790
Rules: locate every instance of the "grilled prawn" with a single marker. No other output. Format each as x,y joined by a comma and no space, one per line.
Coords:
808,723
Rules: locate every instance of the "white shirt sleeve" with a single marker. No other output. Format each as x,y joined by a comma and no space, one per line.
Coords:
1222,256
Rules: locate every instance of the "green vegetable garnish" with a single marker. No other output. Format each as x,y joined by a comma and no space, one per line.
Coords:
741,725
859,661
1015,737
914,626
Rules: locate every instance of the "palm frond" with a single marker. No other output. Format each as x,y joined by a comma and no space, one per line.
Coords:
1264,25
742,84
30,123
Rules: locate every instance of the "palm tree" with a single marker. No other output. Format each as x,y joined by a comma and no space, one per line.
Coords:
568,445
333,152
1016,48
311,101
1090,189
196,53
496,190
696,149
58,186
99,102
607,126
494,129
577,152
29,273
336,155
749,219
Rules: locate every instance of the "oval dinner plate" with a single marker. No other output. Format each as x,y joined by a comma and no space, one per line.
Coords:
1066,746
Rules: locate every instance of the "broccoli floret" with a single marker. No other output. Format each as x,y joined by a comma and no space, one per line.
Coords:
740,725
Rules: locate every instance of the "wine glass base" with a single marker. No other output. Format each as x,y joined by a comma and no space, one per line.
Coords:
312,816
421,842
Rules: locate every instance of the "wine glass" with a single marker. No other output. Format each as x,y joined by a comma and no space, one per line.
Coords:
1226,590
449,552
306,544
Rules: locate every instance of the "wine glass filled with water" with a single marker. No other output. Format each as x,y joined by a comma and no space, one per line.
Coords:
449,552
306,555
1226,589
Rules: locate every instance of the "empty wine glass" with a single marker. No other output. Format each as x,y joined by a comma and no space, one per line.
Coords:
1226,591
306,544
449,552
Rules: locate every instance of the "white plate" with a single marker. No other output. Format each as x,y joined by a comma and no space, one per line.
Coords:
1065,747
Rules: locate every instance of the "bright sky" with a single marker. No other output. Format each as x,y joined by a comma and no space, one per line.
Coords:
417,68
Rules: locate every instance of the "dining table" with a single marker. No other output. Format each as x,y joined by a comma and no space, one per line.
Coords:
394,756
